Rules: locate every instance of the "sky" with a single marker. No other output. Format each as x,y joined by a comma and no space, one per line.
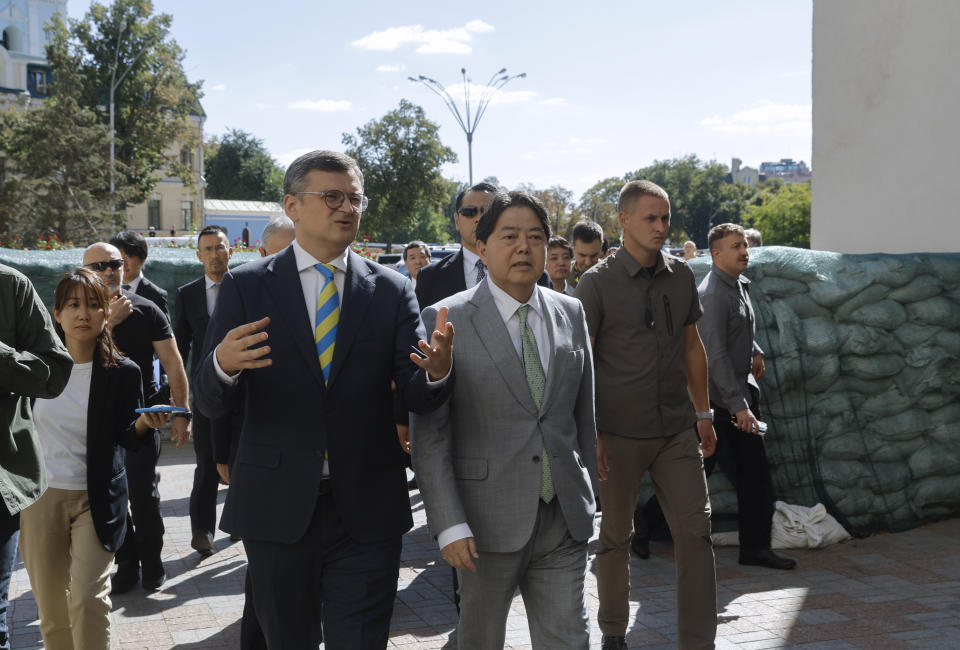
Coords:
610,87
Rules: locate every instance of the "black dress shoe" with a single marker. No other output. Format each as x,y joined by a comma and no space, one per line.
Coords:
153,575
767,558
125,578
412,485
202,543
640,547
613,643
234,538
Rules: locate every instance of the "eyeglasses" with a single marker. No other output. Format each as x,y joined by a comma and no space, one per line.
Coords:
99,267
335,198
470,211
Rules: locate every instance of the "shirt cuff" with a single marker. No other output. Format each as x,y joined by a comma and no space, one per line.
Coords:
452,534
433,385
224,377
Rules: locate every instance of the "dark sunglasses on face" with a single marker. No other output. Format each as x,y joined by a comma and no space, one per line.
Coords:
99,267
470,211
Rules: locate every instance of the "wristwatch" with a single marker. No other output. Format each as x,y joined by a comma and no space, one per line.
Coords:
705,415
187,415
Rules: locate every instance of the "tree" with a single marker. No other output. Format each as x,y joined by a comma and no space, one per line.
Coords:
400,156
55,162
152,102
599,203
237,166
783,215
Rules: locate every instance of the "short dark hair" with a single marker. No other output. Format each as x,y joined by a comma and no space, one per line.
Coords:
719,232
754,238
416,243
587,232
634,189
295,179
479,187
212,230
131,244
515,199
560,242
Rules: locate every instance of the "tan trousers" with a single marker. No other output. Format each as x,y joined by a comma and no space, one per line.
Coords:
676,469
69,571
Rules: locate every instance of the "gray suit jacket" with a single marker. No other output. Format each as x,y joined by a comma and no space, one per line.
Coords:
477,457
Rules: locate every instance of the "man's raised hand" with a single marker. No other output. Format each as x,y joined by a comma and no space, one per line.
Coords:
438,353
234,352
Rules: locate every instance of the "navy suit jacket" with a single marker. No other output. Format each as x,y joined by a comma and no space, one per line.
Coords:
154,294
291,418
114,394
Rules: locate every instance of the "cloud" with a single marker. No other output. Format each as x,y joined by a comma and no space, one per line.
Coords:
219,88
320,105
554,102
765,117
288,157
391,68
429,41
262,107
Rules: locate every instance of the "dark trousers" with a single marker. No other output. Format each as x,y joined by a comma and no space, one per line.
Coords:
9,534
251,635
206,481
325,576
144,539
743,460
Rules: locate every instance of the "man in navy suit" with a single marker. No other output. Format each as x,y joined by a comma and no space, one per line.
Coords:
318,493
195,303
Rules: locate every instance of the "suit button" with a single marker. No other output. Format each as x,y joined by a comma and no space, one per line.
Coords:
536,459
542,418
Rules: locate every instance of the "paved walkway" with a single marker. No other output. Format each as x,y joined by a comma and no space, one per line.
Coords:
887,591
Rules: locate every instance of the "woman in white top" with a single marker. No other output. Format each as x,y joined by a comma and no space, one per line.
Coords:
69,536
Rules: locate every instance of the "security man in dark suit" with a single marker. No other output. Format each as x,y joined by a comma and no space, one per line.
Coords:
318,494
133,249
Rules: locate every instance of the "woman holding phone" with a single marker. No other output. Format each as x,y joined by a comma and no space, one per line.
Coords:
69,536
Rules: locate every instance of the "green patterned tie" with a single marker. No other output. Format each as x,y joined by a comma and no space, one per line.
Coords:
537,382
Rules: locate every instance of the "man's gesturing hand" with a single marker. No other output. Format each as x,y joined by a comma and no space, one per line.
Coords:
438,353
461,554
234,353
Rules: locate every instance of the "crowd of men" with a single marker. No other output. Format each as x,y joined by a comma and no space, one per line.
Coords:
553,377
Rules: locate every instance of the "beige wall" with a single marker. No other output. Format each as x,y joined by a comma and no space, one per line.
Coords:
886,126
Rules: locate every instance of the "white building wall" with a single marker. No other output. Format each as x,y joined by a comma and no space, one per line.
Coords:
886,126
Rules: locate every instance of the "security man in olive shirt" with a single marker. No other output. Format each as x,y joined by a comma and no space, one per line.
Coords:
736,362
642,309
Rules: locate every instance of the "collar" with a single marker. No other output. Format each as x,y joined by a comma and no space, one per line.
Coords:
305,260
207,282
470,258
633,267
729,279
507,305
134,283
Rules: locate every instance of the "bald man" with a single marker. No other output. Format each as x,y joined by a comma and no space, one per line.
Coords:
277,235
141,330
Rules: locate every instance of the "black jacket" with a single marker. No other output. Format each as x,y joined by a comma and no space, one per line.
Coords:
114,394
154,294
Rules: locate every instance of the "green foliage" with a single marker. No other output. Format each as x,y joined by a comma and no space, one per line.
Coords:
783,215
237,166
153,101
55,164
599,203
400,155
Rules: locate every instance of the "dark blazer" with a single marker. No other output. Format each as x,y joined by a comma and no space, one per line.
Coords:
190,328
154,294
291,418
114,394
442,279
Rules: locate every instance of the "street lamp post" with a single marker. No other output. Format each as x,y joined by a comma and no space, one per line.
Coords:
114,84
469,125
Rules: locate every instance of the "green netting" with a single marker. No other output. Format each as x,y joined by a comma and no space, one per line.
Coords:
862,391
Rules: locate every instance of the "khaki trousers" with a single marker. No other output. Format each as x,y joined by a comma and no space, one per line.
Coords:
676,469
69,571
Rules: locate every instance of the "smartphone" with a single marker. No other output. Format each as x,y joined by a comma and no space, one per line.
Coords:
161,408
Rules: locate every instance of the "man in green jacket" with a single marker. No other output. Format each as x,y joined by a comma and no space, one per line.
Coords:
33,363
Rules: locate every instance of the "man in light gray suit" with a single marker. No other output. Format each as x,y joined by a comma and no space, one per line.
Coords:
508,466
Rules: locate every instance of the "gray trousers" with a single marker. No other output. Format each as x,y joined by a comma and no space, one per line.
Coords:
549,570
676,469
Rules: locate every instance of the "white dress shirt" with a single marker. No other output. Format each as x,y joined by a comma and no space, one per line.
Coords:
134,283
508,306
470,260
212,291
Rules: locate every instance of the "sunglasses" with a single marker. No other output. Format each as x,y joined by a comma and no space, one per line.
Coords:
99,267
470,211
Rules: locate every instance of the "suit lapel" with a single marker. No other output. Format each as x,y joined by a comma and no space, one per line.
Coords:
456,264
558,327
200,304
358,289
494,337
283,286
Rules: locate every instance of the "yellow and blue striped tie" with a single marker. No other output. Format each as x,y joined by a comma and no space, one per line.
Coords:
328,314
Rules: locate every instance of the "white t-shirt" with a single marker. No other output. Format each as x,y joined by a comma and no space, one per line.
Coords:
62,428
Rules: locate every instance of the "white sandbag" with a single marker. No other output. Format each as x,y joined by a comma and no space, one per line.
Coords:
802,527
